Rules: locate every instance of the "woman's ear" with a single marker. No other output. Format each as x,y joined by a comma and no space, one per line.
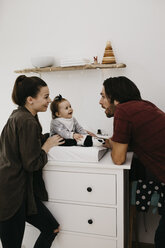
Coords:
29,100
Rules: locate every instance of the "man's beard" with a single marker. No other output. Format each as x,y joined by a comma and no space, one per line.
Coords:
110,111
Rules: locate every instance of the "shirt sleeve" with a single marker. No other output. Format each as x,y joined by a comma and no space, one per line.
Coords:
78,128
32,156
57,127
122,129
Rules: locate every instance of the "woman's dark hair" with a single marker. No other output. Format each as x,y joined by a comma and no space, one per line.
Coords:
54,106
24,87
121,89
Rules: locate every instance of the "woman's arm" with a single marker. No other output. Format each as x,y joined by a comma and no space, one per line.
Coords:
32,154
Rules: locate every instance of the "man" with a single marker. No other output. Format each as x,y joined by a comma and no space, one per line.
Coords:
139,124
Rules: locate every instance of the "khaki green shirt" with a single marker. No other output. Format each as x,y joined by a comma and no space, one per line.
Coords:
21,163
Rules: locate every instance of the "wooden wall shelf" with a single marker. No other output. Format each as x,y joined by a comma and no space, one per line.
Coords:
71,68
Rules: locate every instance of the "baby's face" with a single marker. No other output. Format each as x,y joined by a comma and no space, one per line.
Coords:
65,110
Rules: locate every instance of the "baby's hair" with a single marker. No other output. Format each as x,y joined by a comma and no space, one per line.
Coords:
24,87
54,106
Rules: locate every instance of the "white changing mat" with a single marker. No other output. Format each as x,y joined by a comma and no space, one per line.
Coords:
76,154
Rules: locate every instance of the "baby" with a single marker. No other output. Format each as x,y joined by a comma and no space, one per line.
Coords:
64,124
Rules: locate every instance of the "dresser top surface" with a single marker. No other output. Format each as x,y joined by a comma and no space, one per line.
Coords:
106,163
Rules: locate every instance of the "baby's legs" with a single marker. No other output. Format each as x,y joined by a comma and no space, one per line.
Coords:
88,141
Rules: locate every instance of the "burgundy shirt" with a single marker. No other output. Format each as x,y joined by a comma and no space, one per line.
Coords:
142,125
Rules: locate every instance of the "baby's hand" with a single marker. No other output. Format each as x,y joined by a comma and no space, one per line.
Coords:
91,134
77,136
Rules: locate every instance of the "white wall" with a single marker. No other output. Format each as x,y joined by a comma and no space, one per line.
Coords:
80,28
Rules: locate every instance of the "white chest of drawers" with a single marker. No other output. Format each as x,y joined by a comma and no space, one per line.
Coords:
88,200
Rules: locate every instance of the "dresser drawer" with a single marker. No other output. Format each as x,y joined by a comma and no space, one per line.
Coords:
81,187
68,240
65,240
85,219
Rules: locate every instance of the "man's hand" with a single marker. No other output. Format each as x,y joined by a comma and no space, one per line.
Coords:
108,143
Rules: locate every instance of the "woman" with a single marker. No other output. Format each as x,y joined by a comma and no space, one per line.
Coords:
23,154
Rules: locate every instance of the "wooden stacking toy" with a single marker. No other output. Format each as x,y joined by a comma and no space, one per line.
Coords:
109,57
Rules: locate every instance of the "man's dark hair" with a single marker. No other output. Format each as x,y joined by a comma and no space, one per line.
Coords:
121,89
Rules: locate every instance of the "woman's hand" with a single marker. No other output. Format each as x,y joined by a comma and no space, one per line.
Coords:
77,136
55,140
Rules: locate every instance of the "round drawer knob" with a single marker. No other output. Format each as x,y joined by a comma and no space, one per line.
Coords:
89,189
90,221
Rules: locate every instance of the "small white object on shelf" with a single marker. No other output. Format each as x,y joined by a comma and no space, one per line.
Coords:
42,61
66,62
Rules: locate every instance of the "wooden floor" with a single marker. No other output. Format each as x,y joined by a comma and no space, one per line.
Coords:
142,245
